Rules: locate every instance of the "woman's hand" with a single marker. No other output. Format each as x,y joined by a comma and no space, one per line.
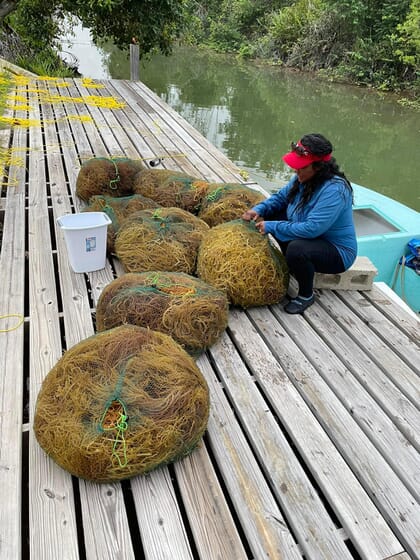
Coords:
250,215
261,227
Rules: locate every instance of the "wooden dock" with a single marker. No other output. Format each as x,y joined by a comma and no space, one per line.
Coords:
312,447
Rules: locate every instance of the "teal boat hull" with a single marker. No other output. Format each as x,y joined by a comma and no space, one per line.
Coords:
384,227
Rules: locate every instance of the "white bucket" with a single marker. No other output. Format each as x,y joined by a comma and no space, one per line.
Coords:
85,236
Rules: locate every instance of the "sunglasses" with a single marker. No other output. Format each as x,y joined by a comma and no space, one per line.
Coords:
300,150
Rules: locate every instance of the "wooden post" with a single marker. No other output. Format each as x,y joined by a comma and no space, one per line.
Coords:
134,62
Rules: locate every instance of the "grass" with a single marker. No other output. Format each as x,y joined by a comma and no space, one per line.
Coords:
45,64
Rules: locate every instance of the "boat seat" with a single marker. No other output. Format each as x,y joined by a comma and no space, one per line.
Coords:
358,277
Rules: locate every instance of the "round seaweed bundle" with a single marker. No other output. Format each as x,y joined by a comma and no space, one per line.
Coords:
225,202
110,176
118,208
127,170
171,188
235,257
121,403
161,239
191,311
147,181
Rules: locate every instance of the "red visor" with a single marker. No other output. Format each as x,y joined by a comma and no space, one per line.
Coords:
301,157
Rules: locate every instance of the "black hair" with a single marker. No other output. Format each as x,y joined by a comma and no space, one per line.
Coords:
318,145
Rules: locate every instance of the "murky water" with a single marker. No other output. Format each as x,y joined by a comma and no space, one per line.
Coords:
252,114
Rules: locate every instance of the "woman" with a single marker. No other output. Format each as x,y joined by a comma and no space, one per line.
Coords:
311,217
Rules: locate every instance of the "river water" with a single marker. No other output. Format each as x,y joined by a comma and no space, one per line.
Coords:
252,113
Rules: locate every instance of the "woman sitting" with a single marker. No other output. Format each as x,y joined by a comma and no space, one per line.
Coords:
311,217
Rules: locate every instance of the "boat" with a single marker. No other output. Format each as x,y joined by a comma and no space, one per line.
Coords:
384,228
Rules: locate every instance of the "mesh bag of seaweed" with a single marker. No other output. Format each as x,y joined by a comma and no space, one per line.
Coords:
121,403
164,239
171,188
117,209
191,311
236,258
109,176
225,202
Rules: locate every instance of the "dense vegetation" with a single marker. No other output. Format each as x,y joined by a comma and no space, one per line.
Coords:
368,42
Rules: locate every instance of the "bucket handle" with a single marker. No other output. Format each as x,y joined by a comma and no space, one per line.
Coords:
59,221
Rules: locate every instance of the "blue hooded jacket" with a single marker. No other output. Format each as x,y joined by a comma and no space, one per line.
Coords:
328,215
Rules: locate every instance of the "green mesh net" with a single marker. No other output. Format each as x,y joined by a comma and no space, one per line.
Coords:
118,208
165,239
121,403
236,258
107,176
191,311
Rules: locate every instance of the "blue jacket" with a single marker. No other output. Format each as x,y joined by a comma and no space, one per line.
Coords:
328,215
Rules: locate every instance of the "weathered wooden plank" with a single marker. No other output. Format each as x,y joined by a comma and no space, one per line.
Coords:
262,521
131,132
334,477
394,312
184,129
155,500
161,144
386,490
365,394
12,291
99,132
105,525
74,128
175,127
160,521
374,351
347,353
106,121
211,523
109,537
51,505
405,346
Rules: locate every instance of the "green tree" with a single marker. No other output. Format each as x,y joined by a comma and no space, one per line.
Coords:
153,24
408,38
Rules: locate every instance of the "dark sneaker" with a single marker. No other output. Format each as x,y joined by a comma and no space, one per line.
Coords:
298,305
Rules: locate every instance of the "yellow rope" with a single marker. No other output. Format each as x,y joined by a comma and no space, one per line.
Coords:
21,319
95,100
8,158
21,98
19,107
11,182
89,83
49,78
17,121
20,80
35,90
157,125
81,118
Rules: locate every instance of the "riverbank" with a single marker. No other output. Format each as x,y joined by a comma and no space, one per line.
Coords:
372,44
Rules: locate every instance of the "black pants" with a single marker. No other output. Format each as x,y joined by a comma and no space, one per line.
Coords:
304,257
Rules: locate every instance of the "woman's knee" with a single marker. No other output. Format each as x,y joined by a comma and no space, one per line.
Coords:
296,251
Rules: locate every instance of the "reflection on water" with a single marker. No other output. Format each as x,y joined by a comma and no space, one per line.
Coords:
252,114
92,61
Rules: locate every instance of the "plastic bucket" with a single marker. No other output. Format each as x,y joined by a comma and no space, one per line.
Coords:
85,236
